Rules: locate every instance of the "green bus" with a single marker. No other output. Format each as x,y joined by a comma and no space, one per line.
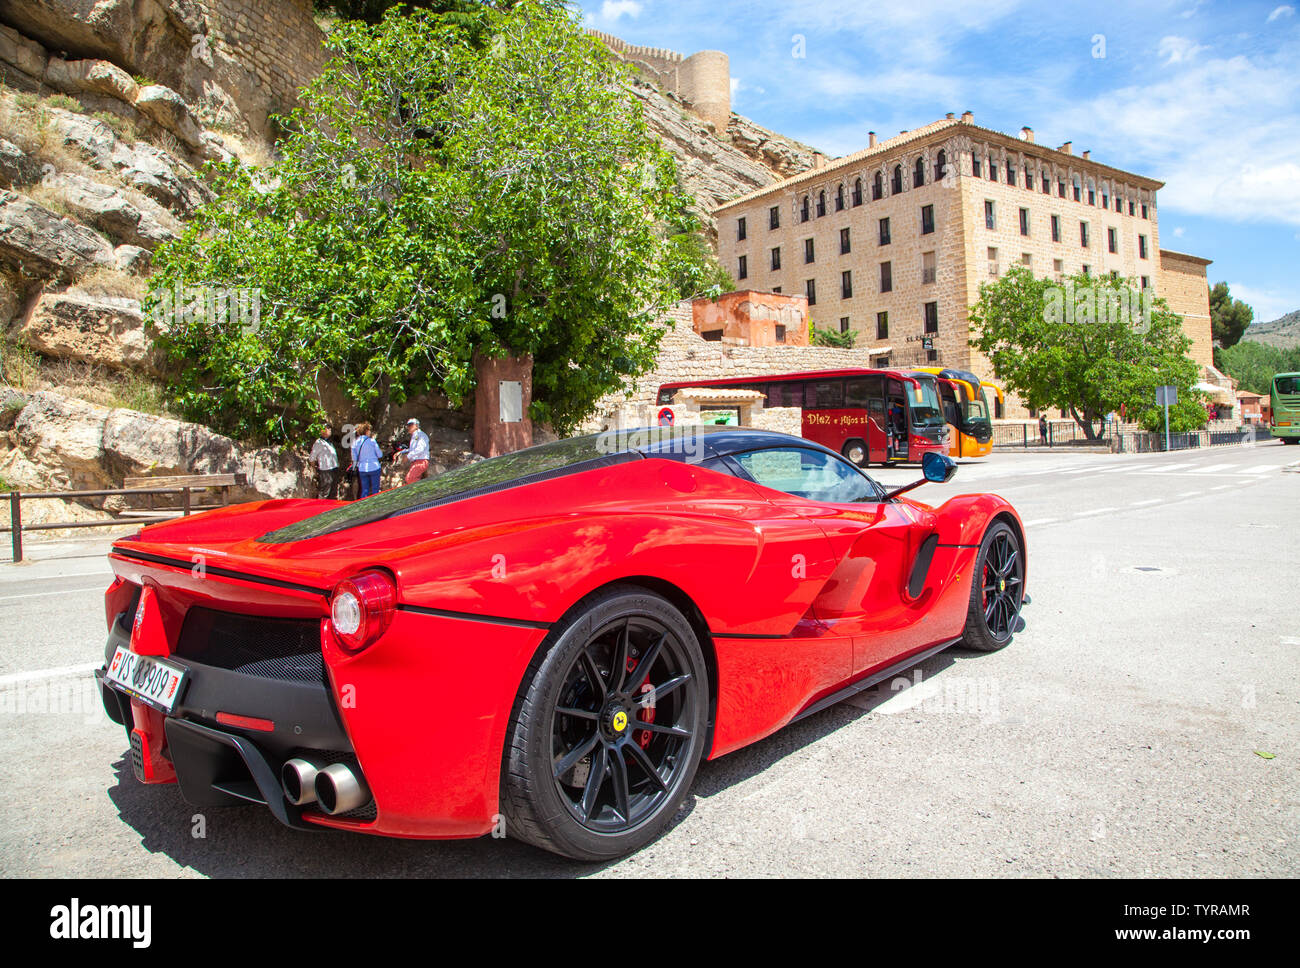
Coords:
1284,402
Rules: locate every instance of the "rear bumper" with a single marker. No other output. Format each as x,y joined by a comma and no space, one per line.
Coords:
422,715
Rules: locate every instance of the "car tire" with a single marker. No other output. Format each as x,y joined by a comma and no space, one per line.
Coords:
997,590
578,778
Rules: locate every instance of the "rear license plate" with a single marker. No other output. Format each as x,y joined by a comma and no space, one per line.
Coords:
153,681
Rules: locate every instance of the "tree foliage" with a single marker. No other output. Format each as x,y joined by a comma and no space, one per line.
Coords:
434,199
833,337
1085,345
696,270
1253,364
1228,317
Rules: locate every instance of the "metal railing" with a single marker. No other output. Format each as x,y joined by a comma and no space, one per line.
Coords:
16,498
1059,433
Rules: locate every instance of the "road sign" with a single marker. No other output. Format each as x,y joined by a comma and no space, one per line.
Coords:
1166,396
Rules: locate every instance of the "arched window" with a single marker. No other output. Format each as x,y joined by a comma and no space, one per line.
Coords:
803,211
1047,182
897,186
857,192
821,204
1078,189
941,165
878,188
839,198
918,175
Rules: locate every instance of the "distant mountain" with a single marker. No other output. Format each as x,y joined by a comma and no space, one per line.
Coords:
1283,333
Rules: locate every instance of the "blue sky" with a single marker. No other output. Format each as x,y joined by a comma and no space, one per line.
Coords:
1202,95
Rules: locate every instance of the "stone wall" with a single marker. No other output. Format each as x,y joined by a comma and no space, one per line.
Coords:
702,80
1184,286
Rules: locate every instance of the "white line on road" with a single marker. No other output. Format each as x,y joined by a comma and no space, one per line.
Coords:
1190,493
1222,487
16,677
1167,467
61,591
1086,514
1138,504
1213,468
1267,468
1033,524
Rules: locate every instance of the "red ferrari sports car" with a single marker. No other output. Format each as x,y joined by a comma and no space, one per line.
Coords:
545,643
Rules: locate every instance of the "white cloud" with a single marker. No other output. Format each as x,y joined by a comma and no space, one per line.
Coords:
1177,50
612,10
1269,303
1179,232
1278,12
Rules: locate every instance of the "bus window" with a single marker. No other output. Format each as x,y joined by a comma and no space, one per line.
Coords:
785,393
823,395
862,391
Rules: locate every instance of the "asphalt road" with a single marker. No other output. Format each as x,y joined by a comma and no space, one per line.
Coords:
1119,734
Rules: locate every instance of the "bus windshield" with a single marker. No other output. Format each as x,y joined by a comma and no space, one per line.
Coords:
1287,383
924,403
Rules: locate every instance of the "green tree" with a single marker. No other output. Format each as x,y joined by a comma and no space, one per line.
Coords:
693,266
833,337
433,200
1253,364
1228,317
1088,345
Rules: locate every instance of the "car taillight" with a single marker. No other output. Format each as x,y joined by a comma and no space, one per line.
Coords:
361,609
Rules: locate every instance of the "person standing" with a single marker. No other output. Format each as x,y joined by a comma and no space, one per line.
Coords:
366,456
326,460
1042,429
417,452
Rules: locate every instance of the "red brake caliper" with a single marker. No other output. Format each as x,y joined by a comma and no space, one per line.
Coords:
643,736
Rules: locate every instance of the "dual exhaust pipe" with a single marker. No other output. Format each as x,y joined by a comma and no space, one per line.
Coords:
336,788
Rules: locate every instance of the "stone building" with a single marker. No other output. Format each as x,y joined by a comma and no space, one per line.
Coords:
702,81
749,318
893,242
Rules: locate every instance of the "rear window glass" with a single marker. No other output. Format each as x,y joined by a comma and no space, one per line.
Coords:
483,477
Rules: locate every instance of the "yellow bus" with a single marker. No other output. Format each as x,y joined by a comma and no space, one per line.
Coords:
966,410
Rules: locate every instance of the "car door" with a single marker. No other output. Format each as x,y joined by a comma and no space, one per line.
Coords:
875,594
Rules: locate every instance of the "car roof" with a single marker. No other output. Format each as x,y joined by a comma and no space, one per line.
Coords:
708,440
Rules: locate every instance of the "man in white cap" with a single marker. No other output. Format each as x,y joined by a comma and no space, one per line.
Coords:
417,452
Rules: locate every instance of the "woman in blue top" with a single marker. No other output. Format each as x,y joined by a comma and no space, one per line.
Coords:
365,455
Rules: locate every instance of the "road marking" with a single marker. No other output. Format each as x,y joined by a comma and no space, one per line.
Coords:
1213,468
1189,493
1032,524
16,677
1081,470
1086,514
61,591
1267,468
1117,470
1222,487
1138,504
1167,467
1290,640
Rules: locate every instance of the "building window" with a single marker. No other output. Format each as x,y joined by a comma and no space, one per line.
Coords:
1092,194
896,187
808,255
878,188
927,268
993,170
993,262
990,220
882,325
844,324
776,289
810,287
884,231
1087,269
1060,188
1112,241
776,258
740,230
883,361
1027,261
857,192
1142,246
1047,183
774,217
932,356
821,204
941,165
886,277
1058,267
712,335
743,271
1144,210
845,247
1083,234
846,284
927,219
1078,190
1146,282
918,173
803,210
1105,198
1011,174
932,317
1056,228
1132,208
1119,205
1024,221
839,198
975,165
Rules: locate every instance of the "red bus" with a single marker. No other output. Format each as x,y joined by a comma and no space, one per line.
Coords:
869,416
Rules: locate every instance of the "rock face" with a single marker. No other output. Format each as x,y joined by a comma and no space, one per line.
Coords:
104,330
61,443
713,169
37,243
109,210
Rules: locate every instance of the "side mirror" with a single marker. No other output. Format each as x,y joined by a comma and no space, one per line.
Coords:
938,468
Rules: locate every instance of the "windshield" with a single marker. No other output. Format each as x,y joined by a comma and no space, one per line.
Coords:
1290,383
923,400
483,477
978,408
